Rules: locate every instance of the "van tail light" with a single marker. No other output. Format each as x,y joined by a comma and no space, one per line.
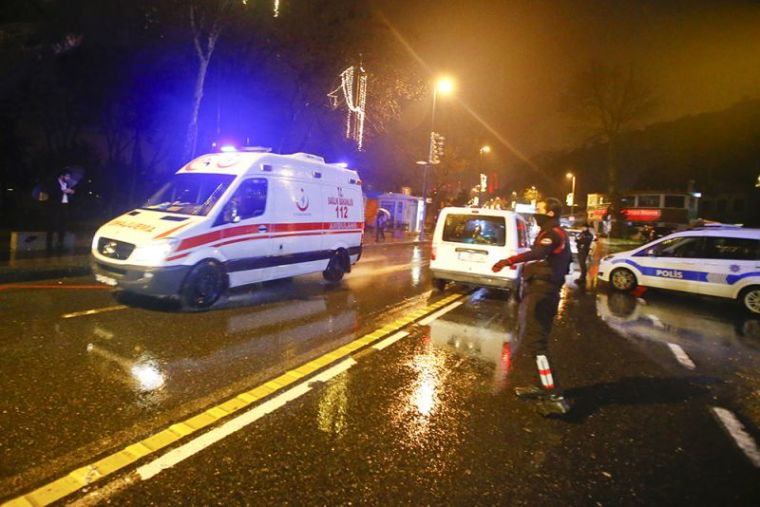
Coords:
432,254
513,267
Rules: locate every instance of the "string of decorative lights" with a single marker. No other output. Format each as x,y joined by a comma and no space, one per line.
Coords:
354,87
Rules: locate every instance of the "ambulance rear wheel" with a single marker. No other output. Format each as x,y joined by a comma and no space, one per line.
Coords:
203,286
335,268
440,284
623,280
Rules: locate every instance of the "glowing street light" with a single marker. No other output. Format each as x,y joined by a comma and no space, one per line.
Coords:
445,85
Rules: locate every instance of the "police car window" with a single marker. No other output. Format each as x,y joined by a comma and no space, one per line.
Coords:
475,230
250,199
738,249
684,247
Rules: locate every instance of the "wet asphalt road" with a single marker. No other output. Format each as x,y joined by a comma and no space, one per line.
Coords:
428,420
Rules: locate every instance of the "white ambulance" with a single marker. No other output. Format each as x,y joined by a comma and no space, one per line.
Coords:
236,218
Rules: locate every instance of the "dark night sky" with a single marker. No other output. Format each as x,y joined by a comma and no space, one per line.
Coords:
513,58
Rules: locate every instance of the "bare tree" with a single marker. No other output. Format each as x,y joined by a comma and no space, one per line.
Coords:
609,100
206,22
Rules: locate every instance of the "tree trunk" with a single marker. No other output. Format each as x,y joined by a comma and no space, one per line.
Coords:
612,188
191,141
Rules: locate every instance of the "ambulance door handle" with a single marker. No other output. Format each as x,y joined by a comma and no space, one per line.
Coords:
280,246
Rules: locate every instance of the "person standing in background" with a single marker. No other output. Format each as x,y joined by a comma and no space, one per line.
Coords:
583,244
58,209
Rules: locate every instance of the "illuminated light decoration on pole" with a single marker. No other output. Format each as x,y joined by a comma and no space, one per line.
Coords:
354,88
571,195
276,13
445,86
436,148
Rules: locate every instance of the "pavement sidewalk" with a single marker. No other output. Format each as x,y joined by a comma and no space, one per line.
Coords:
32,266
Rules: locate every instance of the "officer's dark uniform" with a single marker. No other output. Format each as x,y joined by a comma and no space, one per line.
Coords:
544,279
583,243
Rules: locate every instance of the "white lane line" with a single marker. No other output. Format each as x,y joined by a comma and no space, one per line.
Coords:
681,356
390,340
93,312
741,437
430,318
183,452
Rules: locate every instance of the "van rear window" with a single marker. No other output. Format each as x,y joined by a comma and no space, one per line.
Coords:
471,229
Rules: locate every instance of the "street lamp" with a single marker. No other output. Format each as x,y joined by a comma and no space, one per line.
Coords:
572,192
445,86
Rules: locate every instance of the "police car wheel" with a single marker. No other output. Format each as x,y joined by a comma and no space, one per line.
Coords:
203,286
335,270
623,280
750,298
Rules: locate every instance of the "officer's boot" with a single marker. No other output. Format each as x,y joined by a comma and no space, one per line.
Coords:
550,401
553,405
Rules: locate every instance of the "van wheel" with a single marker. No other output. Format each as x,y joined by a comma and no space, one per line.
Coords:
750,299
335,269
439,284
623,280
204,285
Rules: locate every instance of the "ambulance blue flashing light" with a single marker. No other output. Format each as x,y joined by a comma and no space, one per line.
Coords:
228,148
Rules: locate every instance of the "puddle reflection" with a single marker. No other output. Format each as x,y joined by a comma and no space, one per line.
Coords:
256,344
688,323
486,329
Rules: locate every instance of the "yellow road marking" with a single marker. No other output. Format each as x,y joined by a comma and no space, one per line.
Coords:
93,311
83,476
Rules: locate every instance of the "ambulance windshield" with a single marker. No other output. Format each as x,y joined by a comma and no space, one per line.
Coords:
190,194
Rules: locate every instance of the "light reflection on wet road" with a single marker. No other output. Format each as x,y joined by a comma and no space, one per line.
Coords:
429,420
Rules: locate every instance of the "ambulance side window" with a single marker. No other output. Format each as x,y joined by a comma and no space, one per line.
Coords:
248,201
253,198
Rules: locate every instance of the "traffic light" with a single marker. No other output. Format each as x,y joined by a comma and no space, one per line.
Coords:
436,147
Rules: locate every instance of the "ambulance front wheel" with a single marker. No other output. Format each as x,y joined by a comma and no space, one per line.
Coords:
623,279
204,285
336,268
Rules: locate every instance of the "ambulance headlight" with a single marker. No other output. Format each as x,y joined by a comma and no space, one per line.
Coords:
154,252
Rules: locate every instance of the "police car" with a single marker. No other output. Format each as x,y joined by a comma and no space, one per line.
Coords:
721,262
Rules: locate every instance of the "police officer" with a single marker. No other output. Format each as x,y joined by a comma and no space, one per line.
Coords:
544,278
583,244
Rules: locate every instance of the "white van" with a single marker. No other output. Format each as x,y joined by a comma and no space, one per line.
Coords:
467,242
231,219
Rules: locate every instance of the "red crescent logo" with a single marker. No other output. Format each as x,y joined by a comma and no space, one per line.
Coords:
303,203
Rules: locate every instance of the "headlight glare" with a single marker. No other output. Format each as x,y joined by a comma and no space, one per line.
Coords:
154,252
